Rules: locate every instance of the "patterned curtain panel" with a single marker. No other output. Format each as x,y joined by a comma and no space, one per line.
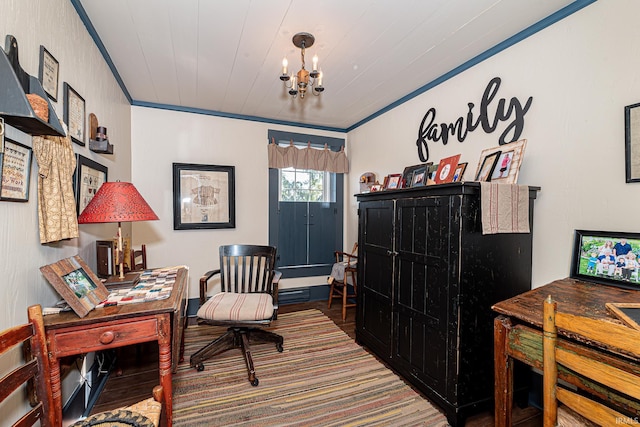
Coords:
307,158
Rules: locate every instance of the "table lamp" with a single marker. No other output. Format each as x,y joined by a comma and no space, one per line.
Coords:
117,202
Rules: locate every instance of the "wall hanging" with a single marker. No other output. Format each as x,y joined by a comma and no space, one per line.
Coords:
15,172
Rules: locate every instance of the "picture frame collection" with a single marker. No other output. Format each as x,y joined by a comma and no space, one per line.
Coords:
496,164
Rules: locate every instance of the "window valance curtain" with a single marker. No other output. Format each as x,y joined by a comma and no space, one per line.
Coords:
307,158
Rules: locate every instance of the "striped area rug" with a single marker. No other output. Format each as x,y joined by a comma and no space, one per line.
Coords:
323,378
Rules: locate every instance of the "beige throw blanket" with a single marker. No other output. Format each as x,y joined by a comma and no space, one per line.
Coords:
504,207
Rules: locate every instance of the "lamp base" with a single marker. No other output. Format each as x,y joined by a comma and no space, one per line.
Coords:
115,282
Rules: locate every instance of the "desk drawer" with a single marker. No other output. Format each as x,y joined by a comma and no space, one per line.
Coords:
96,338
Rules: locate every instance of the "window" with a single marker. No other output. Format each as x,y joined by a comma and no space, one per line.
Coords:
298,185
305,212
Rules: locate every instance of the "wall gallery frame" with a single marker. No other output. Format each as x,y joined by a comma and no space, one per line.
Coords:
74,114
632,142
203,196
15,172
48,73
76,283
87,179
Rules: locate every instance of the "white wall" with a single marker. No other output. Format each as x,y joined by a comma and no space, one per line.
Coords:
56,25
581,72
161,138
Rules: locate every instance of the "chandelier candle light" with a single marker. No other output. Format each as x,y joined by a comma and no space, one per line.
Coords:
303,79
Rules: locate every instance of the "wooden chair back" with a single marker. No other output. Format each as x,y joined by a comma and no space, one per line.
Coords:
247,268
33,374
588,365
139,258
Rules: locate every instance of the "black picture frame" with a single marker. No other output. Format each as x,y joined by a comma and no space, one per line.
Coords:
87,179
48,72
15,171
591,263
203,196
487,165
75,114
632,142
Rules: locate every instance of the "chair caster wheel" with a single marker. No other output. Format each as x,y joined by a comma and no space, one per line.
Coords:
200,367
279,348
255,382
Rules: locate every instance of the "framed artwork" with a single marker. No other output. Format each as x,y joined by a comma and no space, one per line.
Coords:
407,174
203,196
446,169
632,142
74,114
628,312
604,257
431,173
16,172
87,179
486,165
76,283
48,72
419,177
393,182
459,172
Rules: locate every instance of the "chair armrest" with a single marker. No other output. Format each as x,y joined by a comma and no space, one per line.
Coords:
204,283
274,288
344,255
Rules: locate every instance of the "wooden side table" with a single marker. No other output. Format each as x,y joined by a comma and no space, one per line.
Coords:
111,327
518,336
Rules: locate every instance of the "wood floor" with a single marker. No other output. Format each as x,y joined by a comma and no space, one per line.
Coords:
140,372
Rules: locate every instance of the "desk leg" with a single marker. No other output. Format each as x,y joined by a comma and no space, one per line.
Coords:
56,391
503,371
164,348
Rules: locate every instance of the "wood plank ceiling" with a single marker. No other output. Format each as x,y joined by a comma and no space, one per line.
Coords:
225,56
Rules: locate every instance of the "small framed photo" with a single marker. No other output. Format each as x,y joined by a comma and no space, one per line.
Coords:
419,177
446,169
376,187
393,181
407,174
87,180
74,114
609,258
76,283
203,196
48,73
16,171
486,165
459,172
632,142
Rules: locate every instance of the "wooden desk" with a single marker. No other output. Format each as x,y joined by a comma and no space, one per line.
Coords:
118,326
518,336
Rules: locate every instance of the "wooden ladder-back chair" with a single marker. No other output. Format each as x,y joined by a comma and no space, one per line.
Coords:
248,300
587,363
139,259
345,268
33,373
34,376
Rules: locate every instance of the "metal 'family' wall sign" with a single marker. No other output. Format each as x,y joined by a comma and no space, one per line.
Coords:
513,113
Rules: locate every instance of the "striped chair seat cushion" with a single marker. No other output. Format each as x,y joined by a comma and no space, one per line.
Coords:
227,306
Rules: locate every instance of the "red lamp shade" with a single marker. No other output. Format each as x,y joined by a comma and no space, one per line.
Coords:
117,202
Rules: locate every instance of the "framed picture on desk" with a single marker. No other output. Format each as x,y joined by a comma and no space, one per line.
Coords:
76,283
609,258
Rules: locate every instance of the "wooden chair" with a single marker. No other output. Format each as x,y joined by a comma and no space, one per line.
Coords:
588,365
345,268
33,372
139,259
34,376
248,299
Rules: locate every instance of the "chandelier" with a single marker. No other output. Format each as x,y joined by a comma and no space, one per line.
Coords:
303,79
